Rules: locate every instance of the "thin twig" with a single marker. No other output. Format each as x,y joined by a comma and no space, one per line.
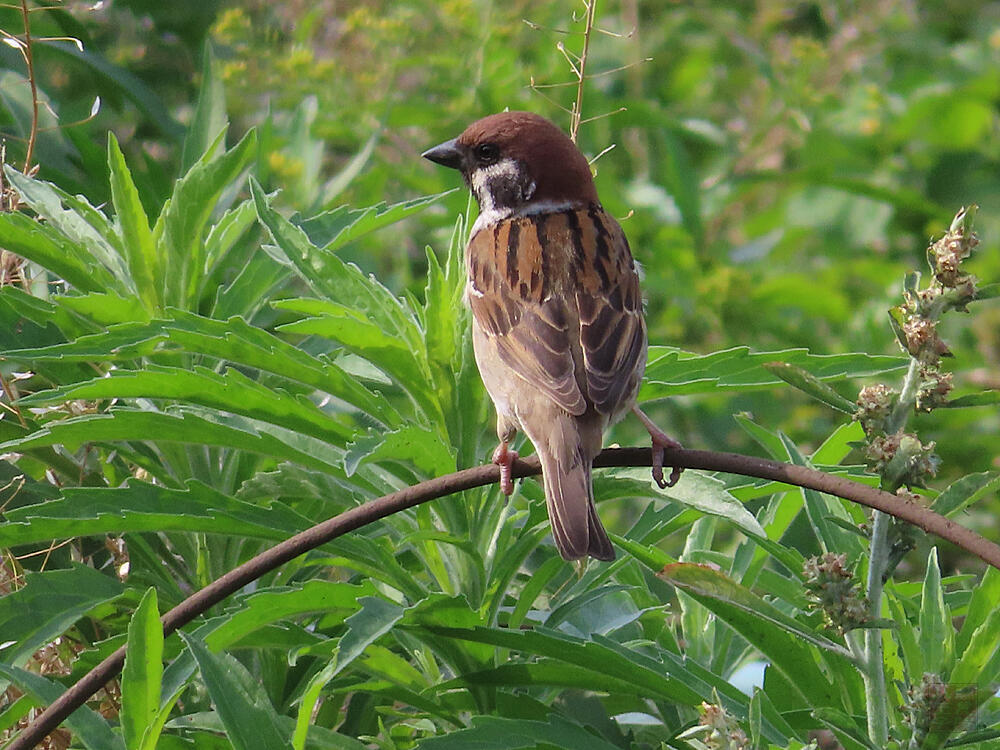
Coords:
582,70
355,518
30,62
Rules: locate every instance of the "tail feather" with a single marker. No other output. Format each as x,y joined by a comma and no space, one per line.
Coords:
569,495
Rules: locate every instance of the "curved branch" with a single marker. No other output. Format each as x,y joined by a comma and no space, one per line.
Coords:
355,518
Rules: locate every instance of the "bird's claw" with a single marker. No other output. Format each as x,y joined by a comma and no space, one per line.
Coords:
661,441
504,457
675,473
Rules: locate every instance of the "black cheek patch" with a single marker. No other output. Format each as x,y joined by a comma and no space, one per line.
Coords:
508,190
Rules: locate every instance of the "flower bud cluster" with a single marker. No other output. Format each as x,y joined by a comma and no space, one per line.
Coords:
724,733
922,704
875,404
901,459
899,456
831,589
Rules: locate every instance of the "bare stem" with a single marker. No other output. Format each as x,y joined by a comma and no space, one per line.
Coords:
30,62
873,670
582,71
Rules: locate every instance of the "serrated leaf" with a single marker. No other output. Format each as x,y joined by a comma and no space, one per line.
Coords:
249,718
82,228
231,391
421,446
985,398
702,492
781,638
388,352
667,677
966,491
46,247
49,604
84,511
375,618
342,283
810,385
139,250
121,424
672,371
181,226
496,733
232,340
92,729
333,229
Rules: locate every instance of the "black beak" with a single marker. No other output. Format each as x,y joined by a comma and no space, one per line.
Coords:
447,154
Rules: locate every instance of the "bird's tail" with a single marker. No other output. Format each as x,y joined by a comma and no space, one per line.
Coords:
569,495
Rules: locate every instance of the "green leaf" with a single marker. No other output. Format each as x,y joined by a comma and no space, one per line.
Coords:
979,664
781,639
41,244
963,492
92,511
702,492
936,631
48,604
181,227
83,230
92,729
375,618
985,398
232,340
821,508
144,264
231,391
333,229
672,371
122,424
249,718
496,733
810,385
984,601
390,352
142,675
668,677
420,446
209,113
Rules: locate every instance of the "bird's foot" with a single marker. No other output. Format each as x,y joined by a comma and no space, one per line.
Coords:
504,457
661,441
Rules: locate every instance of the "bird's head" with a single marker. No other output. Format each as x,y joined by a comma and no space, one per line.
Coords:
516,164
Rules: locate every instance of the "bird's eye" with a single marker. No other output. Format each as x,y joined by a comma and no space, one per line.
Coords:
487,153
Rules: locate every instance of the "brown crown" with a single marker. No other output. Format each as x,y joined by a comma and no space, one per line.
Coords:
560,172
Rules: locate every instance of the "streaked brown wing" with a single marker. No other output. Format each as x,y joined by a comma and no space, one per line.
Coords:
510,287
612,329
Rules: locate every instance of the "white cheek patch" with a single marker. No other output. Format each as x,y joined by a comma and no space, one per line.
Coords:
480,179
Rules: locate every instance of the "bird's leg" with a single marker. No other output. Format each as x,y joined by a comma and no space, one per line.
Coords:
661,440
504,457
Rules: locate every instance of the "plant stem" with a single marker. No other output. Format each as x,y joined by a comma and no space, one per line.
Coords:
577,114
873,670
30,62
907,398
873,673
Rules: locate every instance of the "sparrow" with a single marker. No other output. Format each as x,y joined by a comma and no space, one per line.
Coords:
558,328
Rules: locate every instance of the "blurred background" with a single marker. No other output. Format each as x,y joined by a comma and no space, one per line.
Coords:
778,166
